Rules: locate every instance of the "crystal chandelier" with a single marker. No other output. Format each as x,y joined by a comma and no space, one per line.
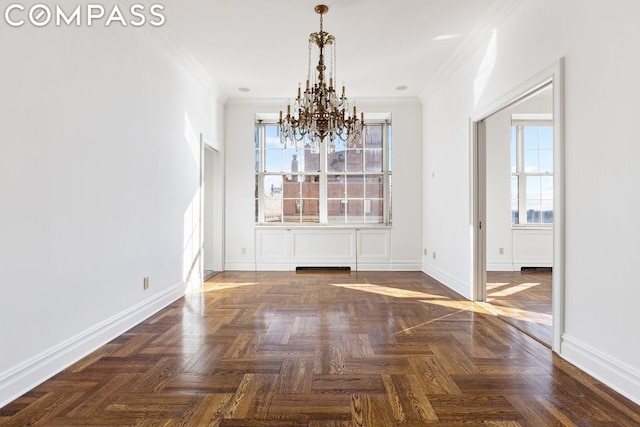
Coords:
319,112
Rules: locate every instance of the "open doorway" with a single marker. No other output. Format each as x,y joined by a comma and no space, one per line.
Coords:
212,220
518,208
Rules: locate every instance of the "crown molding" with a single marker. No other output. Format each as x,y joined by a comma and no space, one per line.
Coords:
184,59
495,16
189,63
361,102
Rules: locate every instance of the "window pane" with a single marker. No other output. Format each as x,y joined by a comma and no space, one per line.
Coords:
273,198
373,135
546,187
514,200
531,161
547,211
355,186
533,187
273,161
272,137
514,150
256,215
373,211
291,189
335,161
390,210
338,145
546,161
291,208
336,211
389,149
373,160
311,161
273,185
311,210
291,161
533,212
546,137
311,187
355,160
531,137
373,187
355,211
335,186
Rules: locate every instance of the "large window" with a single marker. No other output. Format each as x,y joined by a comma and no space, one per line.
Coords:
327,185
531,172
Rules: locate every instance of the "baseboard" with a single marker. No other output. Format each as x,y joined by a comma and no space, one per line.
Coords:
518,264
359,266
450,282
24,377
619,376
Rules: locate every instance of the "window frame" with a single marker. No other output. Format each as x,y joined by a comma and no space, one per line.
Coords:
521,174
323,200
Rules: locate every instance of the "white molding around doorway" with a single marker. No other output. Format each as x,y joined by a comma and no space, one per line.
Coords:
554,74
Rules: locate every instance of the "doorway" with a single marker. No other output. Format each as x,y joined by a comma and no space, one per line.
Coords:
518,207
519,210
212,178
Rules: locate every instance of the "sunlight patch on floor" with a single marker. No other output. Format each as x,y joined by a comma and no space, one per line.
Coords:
523,315
510,290
386,290
216,286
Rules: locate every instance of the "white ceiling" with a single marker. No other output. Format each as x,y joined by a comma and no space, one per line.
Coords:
381,44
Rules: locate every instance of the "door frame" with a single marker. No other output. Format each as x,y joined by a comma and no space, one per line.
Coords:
217,193
554,74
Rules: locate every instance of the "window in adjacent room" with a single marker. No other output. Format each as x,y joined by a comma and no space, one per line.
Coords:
326,185
532,172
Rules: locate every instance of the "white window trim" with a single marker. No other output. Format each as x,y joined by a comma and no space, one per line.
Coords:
520,121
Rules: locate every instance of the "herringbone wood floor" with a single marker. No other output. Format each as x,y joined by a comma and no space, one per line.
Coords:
523,299
286,349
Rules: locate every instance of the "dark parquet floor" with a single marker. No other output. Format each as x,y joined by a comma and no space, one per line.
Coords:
321,350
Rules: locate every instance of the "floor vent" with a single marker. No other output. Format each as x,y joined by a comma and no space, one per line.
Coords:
323,269
534,269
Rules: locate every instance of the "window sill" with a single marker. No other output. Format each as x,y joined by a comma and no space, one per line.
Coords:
323,226
532,227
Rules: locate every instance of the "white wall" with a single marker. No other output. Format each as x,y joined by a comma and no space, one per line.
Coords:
99,181
240,180
597,40
535,245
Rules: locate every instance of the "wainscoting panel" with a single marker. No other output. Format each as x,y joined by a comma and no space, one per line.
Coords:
323,248
532,248
285,249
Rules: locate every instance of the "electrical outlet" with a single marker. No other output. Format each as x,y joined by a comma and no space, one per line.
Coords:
501,251
425,252
145,283
433,255
244,251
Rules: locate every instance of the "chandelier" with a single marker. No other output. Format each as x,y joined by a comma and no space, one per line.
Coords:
319,113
